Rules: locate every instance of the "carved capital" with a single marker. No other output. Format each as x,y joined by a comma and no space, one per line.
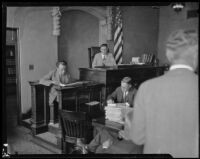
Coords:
56,14
109,23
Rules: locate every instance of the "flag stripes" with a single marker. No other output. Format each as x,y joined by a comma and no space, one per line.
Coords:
118,36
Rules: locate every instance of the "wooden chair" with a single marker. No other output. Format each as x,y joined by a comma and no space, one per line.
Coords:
75,127
92,51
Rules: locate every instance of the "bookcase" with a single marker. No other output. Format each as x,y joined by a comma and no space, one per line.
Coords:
11,82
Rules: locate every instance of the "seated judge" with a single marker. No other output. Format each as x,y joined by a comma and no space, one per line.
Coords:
54,78
124,93
107,142
104,58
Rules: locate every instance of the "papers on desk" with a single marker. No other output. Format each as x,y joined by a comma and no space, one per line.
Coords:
135,59
117,105
114,125
62,85
116,112
93,103
75,83
140,63
113,112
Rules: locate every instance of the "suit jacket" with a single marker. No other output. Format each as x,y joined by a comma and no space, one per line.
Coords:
98,60
117,96
54,76
165,116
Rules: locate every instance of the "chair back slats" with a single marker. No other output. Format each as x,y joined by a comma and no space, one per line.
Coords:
75,124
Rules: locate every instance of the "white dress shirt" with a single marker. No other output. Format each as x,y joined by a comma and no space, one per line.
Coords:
181,66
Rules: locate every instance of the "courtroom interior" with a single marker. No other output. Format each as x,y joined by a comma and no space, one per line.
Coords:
74,74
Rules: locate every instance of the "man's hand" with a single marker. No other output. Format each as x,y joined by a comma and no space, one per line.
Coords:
110,101
107,144
121,134
129,118
55,82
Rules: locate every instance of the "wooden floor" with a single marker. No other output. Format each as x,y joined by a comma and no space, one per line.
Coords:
19,138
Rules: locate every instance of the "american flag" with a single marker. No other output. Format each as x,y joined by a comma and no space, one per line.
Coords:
118,34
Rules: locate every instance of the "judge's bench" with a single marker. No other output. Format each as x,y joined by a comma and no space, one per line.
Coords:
111,77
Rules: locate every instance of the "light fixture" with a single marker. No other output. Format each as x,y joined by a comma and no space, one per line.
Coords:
178,6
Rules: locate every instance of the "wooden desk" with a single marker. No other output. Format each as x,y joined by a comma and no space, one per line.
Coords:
80,94
40,107
77,95
111,77
112,127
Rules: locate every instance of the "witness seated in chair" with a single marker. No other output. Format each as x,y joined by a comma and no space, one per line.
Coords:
106,142
124,93
104,58
54,78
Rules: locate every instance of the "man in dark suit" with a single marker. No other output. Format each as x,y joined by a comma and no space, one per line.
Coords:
123,94
165,117
54,78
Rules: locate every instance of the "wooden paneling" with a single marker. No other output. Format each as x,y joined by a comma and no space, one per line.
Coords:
111,78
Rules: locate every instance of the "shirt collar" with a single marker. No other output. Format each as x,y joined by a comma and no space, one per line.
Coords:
103,55
173,67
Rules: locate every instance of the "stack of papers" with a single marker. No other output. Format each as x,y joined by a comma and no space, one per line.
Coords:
135,60
114,113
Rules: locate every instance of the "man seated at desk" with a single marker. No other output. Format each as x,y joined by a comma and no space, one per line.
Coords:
54,78
109,143
104,58
124,93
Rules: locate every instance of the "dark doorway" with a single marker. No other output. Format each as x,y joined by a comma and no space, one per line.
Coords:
13,95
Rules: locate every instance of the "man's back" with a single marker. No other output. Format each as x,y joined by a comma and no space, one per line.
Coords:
170,108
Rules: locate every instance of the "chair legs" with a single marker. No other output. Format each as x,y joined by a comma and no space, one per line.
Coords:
64,147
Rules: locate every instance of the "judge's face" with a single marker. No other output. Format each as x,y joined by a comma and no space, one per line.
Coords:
104,49
61,69
125,86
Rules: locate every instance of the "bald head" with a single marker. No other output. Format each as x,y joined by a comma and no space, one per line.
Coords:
182,48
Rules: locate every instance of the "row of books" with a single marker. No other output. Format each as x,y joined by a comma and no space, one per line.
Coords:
11,71
10,62
147,58
11,80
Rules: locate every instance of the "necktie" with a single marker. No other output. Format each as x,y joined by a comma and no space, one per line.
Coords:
104,57
124,96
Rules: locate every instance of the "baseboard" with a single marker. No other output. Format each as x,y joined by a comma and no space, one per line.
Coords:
26,115
26,123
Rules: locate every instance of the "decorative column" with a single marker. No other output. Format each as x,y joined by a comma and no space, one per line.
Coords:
109,23
102,32
56,20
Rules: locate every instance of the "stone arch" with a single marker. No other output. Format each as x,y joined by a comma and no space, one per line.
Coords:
100,13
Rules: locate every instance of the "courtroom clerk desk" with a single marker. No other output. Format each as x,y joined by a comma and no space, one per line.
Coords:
111,77
92,91
40,101
100,123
